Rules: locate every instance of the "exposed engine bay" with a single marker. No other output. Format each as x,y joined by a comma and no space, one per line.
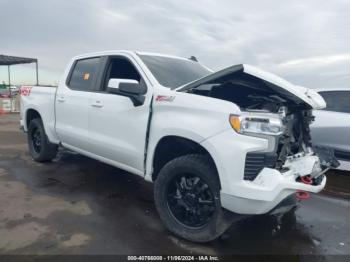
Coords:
250,93
258,97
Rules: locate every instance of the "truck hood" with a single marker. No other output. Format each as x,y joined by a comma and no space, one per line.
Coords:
285,89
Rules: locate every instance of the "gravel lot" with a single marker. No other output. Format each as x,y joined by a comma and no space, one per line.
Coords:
76,205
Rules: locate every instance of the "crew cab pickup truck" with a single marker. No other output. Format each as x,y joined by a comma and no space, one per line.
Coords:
217,145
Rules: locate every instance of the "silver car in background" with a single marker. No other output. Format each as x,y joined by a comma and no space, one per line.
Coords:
332,124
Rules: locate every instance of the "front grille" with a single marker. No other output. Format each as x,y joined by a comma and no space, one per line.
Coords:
255,162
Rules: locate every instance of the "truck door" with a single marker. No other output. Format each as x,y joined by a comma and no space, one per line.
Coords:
117,127
73,101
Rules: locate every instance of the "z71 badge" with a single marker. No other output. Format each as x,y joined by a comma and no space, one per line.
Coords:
165,98
25,90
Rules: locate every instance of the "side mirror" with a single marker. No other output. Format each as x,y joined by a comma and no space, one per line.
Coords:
124,85
127,87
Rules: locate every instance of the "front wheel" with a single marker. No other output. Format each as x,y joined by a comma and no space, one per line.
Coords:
39,145
187,197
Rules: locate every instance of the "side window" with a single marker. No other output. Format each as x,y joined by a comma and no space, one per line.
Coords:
122,69
337,101
84,74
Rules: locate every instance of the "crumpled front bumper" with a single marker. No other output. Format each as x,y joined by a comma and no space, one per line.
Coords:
271,186
259,196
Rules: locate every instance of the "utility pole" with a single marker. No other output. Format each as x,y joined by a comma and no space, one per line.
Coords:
37,72
9,73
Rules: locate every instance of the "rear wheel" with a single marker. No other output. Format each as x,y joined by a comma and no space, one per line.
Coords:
187,197
40,147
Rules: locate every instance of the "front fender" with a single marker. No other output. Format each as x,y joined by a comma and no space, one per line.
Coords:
189,116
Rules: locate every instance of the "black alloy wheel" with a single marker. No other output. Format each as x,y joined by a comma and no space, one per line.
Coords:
40,148
187,198
190,200
36,140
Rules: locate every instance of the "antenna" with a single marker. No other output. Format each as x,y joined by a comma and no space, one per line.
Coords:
193,58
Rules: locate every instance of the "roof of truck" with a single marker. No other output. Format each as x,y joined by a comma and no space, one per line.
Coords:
116,52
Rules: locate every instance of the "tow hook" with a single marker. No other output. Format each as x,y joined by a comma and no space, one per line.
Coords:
303,195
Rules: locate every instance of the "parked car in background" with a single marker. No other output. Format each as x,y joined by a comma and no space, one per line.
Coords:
14,90
5,93
332,124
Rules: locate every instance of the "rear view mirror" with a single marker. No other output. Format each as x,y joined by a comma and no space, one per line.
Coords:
127,87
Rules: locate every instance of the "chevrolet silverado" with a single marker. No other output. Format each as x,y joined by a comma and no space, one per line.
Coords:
217,145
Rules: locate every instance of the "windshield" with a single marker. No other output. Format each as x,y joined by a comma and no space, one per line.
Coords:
174,72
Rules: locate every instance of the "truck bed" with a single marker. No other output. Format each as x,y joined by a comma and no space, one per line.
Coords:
42,99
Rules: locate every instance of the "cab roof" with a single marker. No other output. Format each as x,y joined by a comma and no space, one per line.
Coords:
125,52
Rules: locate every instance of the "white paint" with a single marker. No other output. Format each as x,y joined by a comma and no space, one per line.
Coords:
115,132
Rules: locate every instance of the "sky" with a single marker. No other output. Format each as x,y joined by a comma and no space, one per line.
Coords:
307,42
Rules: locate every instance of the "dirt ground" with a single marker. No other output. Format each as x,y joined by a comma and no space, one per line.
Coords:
76,205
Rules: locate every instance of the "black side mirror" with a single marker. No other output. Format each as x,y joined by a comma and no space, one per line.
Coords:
130,88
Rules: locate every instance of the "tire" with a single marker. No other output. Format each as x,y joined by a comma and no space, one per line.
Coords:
213,221
39,145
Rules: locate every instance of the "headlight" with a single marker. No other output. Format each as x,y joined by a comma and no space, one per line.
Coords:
257,125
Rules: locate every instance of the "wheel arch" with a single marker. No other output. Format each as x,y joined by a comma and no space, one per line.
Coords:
30,115
171,146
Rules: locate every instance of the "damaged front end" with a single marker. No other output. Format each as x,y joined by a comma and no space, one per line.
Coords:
274,109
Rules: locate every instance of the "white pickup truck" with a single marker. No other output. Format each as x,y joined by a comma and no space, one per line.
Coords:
216,145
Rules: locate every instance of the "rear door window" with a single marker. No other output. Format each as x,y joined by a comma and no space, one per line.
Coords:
84,74
337,101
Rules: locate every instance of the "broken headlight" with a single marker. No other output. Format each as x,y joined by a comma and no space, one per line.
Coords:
254,124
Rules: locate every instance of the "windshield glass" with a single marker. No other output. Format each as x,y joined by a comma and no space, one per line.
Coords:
174,72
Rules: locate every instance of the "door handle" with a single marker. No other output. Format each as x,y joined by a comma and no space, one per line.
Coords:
61,99
97,104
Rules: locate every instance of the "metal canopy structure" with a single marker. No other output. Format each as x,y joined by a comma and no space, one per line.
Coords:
15,60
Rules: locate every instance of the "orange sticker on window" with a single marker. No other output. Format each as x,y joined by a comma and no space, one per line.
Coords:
86,76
